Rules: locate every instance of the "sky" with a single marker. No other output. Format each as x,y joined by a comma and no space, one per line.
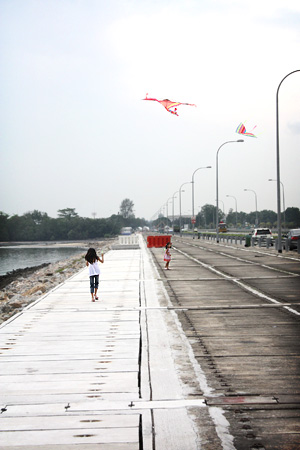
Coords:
75,132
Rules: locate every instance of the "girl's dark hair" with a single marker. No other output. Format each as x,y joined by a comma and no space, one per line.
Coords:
168,243
91,256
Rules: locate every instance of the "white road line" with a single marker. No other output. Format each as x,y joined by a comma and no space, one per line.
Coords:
234,280
248,262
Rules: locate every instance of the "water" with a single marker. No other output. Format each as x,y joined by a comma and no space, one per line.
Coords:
20,257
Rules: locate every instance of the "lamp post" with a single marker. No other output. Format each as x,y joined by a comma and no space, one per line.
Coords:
173,196
235,208
188,182
278,164
217,185
167,207
283,200
193,194
251,190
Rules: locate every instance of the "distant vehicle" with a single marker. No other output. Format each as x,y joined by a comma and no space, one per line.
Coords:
176,228
292,238
146,228
222,227
126,231
262,234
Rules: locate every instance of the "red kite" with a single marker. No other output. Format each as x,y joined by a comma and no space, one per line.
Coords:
168,104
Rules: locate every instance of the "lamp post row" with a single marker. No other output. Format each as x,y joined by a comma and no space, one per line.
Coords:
232,196
217,178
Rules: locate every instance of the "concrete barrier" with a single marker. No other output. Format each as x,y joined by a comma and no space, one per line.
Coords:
127,242
132,239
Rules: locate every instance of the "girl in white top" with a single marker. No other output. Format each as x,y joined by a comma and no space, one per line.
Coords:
94,271
167,255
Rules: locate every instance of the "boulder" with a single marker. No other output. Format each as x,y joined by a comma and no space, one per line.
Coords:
35,289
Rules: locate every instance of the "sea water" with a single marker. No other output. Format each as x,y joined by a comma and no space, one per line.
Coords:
22,256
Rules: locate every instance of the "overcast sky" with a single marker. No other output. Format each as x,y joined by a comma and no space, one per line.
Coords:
76,133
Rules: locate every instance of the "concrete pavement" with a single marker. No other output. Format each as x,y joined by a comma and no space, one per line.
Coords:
118,373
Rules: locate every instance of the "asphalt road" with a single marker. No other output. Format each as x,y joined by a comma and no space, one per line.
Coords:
240,310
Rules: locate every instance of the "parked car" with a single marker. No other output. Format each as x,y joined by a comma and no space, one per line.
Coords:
292,238
262,234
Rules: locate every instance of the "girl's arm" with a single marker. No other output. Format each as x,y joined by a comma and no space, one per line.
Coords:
87,263
101,259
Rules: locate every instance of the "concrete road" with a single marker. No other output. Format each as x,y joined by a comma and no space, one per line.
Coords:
240,309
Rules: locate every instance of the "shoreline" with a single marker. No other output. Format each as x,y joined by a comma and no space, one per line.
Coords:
9,277
21,287
43,244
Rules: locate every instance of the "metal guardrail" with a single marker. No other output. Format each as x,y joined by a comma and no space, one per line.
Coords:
243,240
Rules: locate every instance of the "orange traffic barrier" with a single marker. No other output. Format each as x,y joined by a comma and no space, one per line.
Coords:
150,241
158,241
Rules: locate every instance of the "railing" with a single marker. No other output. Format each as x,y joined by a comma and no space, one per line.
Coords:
247,240
132,239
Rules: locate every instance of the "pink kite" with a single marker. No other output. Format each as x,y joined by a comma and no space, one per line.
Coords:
241,129
168,104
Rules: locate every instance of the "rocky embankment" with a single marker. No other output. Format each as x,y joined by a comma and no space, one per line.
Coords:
22,287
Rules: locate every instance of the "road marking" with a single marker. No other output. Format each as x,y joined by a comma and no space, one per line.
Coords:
246,261
234,280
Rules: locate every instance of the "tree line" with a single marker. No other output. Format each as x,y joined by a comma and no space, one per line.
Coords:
38,226
206,218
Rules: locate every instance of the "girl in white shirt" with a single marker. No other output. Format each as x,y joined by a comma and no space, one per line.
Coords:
94,271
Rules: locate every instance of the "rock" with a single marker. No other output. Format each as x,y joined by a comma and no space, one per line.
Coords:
35,289
15,304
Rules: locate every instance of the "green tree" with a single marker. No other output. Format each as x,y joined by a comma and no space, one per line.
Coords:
207,216
126,208
4,233
67,213
292,217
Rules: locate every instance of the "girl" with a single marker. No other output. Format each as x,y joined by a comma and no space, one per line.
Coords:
167,256
94,270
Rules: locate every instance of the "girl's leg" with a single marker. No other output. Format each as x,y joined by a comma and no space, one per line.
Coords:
92,287
96,286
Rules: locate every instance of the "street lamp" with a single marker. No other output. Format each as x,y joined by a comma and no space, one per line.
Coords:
232,196
217,185
193,209
173,196
278,164
251,190
283,200
188,182
167,207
